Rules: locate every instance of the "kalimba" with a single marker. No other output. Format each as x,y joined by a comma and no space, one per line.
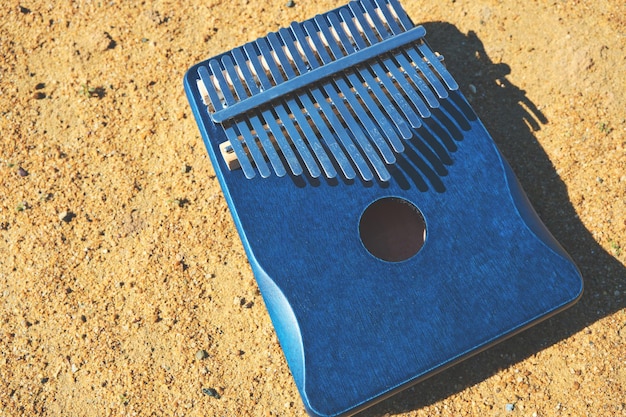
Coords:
388,236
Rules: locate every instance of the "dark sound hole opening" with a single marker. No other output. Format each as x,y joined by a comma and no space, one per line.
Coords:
392,229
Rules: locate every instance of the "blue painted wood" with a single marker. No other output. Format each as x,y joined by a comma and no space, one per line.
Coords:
356,329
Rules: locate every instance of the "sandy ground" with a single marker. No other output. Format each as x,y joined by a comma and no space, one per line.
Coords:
124,289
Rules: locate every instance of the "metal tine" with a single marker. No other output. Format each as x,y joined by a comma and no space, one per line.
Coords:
308,159
322,25
287,38
344,137
326,134
353,125
257,67
404,105
221,81
390,15
370,127
244,129
414,75
369,102
365,145
353,32
248,77
294,134
314,142
352,100
205,77
329,138
265,51
300,37
288,153
269,117
268,147
386,104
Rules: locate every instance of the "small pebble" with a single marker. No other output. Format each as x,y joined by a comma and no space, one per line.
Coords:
291,3
66,216
510,407
22,172
201,354
211,392
39,95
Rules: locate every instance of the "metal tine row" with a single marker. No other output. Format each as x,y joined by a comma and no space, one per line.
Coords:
382,16
352,100
418,73
406,24
330,90
282,113
324,111
296,108
231,133
302,121
383,20
277,58
302,48
268,115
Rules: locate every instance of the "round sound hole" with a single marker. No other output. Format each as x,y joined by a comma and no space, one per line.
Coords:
392,229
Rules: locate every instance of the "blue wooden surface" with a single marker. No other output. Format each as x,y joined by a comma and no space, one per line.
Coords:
356,329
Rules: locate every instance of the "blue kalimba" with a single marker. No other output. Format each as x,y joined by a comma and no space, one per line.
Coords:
387,234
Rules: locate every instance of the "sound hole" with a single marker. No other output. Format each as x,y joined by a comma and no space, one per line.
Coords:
392,229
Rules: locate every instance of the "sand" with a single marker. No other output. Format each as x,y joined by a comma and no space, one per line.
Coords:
124,288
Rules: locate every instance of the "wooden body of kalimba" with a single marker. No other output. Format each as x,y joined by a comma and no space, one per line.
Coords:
388,236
